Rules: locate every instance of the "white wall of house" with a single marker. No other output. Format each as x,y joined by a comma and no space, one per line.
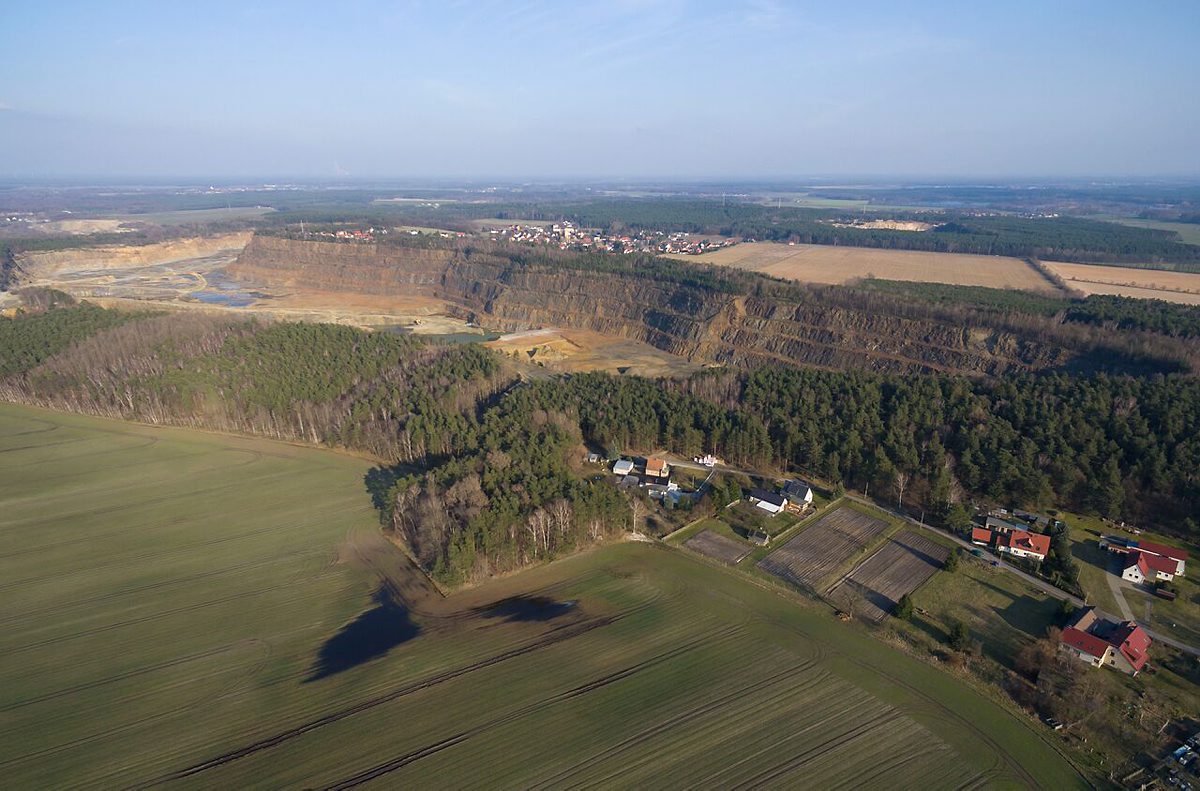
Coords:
1133,574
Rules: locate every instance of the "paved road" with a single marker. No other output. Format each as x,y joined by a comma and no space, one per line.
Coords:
1042,585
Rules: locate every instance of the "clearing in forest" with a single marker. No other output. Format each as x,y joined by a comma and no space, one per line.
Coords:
185,608
814,263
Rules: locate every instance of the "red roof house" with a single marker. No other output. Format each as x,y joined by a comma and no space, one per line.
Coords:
1124,646
1132,644
1142,566
1088,646
1023,544
981,535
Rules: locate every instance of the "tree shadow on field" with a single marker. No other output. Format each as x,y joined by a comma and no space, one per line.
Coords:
527,608
369,636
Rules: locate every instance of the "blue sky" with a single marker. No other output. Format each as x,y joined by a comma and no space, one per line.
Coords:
616,88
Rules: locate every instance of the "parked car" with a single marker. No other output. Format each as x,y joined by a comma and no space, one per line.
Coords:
1053,723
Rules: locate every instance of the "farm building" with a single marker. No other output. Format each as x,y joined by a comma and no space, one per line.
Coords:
1127,546
771,502
622,467
1023,544
1142,566
1124,646
981,536
798,492
998,525
657,468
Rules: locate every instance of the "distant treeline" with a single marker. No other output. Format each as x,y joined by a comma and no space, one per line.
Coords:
484,473
1051,238
1123,313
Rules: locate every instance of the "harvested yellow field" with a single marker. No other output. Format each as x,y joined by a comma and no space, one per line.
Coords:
813,263
1183,287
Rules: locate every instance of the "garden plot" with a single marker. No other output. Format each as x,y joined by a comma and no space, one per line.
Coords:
718,547
899,567
822,547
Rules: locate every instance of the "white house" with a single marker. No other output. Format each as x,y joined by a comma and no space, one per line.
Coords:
622,467
771,502
1141,567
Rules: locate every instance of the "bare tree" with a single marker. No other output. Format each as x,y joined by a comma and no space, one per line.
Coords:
899,482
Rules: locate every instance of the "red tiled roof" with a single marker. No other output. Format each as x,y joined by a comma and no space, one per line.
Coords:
1028,542
981,534
1082,641
655,466
1146,562
1162,549
1133,643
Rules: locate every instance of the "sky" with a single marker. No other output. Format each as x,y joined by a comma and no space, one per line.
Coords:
637,89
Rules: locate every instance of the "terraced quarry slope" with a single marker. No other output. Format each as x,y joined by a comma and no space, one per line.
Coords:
701,324
207,611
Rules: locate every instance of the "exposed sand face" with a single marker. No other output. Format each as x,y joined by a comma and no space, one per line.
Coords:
808,263
1182,287
46,265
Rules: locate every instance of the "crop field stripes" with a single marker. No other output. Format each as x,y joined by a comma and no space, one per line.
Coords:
707,640
822,547
554,636
899,567
179,640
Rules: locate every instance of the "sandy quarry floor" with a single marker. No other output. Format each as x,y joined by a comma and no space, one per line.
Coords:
573,351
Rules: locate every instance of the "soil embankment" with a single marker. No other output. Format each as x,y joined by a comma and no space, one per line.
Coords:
701,324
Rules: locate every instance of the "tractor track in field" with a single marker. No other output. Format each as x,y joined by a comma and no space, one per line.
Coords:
52,427
291,583
149,441
765,777
140,559
180,660
41,445
562,776
158,586
114,509
413,756
175,711
553,637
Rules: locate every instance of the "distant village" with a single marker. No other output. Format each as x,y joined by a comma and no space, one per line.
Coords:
568,236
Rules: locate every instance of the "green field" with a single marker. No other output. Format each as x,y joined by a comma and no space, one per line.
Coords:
1189,232
208,611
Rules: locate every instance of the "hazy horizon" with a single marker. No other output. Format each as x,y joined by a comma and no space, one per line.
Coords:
625,90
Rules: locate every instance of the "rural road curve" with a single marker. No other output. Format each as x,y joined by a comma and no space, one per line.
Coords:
1042,585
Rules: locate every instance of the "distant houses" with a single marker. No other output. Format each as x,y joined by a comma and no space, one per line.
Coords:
1124,646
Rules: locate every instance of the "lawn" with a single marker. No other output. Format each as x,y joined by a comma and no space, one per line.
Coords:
207,611
1001,611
